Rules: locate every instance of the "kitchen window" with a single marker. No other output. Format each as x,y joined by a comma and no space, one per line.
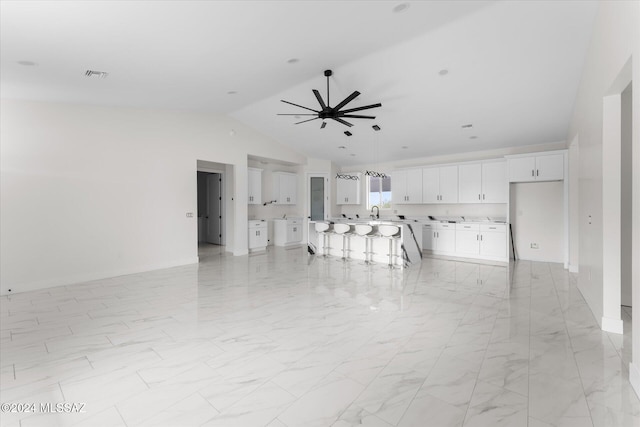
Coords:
379,192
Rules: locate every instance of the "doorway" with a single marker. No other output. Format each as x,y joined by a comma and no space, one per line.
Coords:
318,201
210,209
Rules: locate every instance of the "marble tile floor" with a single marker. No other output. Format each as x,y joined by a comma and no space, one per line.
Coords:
283,339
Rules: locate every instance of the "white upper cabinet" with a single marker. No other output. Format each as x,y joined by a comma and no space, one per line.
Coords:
538,167
285,188
470,183
483,182
406,186
440,184
495,188
550,167
255,186
348,190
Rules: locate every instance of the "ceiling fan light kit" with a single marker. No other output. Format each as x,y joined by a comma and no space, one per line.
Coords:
334,113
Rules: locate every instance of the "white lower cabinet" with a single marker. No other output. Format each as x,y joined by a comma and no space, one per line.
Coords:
258,235
439,237
467,240
287,232
493,240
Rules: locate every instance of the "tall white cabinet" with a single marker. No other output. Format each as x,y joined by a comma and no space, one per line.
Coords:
285,188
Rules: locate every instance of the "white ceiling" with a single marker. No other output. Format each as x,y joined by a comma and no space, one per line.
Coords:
514,66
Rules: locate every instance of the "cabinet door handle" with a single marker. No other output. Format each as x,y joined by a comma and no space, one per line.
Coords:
478,197
483,197
537,172
481,237
434,234
532,172
477,237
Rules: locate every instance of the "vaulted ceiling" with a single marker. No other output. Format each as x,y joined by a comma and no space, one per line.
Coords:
508,68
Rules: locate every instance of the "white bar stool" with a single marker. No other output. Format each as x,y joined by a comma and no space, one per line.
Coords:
343,229
365,231
324,229
391,232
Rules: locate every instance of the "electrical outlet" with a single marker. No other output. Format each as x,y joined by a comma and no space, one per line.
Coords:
189,214
534,246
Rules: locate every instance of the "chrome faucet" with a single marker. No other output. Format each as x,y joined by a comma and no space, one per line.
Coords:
377,212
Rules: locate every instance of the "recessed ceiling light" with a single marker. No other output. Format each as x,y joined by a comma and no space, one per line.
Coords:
404,147
376,127
94,73
401,7
473,137
467,126
352,155
443,72
346,132
293,61
27,63
232,92
342,147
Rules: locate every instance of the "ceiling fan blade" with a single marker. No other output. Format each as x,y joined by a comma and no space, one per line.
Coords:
295,114
356,116
308,120
319,98
366,107
323,125
344,122
347,100
306,108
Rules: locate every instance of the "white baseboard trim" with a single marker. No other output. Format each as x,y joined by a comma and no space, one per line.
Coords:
88,277
612,325
634,377
573,268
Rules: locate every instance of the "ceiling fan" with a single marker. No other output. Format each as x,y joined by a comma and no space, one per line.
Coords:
336,113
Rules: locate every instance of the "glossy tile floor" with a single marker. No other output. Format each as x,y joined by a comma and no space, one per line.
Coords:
283,339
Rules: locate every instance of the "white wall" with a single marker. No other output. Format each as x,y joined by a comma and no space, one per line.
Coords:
615,40
90,192
537,216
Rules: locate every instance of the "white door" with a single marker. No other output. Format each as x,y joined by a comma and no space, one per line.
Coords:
431,185
522,169
318,199
470,183
214,208
449,184
494,182
550,168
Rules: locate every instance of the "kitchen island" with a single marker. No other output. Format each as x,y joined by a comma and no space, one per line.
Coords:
371,241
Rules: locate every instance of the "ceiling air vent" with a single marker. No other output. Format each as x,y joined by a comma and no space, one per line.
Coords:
98,74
